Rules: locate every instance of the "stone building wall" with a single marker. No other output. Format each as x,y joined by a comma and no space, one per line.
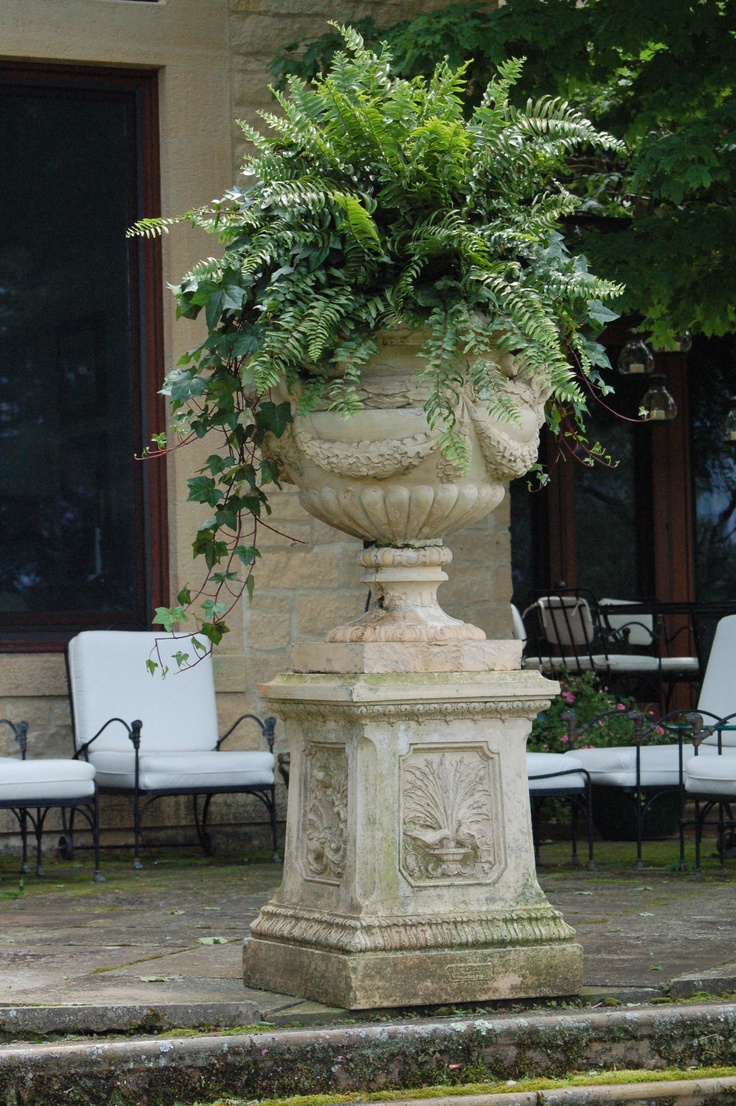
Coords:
308,579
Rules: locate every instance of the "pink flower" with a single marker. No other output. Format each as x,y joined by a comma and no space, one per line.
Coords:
659,730
568,696
620,706
564,738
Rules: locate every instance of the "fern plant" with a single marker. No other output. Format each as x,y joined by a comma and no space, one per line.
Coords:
376,204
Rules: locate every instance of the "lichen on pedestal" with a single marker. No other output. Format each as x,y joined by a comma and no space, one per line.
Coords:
409,873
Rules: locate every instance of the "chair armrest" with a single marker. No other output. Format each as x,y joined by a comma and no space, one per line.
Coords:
134,733
20,733
267,726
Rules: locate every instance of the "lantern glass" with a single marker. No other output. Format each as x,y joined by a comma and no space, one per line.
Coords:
635,357
658,402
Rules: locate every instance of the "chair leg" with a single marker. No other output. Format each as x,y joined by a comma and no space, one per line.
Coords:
98,876
721,845
682,866
574,811
205,839
38,827
639,828
23,821
137,818
589,824
700,817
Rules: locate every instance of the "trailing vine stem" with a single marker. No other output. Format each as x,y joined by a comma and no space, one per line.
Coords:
376,204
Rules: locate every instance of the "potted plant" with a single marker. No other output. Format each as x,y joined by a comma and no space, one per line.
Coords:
384,235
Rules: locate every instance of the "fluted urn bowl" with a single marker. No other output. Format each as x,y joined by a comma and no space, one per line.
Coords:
381,474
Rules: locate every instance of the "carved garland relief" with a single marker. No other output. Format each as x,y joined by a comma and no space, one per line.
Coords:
450,815
325,836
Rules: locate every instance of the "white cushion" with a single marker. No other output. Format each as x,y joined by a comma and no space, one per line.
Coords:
170,771
718,693
45,780
571,664
616,767
711,775
630,662
615,663
566,619
109,679
543,764
689,665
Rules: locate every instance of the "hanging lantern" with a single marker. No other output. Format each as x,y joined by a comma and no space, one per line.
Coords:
635,357
658,402
729,423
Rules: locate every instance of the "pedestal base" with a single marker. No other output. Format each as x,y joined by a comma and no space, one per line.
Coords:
409,874
414,977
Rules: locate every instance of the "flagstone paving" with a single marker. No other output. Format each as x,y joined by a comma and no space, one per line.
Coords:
171,935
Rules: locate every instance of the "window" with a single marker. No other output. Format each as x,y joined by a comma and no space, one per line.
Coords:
80,519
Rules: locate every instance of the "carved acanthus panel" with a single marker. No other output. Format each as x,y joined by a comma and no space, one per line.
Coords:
451,815
326,808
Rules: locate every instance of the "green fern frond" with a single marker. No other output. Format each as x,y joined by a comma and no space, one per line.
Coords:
153,227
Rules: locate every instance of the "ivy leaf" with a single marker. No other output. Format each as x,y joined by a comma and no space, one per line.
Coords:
247,554
202,489
168,616
214,632
274,417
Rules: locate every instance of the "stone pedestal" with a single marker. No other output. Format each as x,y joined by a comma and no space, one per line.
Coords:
409,873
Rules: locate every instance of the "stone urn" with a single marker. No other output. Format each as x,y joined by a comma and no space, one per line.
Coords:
409,874
382,476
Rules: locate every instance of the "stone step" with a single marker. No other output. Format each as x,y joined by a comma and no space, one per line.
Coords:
366,1057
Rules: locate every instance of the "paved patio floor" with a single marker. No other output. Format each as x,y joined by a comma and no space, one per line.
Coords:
168,939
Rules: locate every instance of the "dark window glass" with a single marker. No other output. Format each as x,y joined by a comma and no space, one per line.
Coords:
72,548
607,527
712,388
606,513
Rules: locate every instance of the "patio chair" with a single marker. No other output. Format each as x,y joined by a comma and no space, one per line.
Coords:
567,630
572,630
149,736
31,788
645,773
557,776
646,635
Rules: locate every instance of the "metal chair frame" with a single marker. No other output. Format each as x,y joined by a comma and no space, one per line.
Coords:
725,822
645,796
143,798
581,801
23,810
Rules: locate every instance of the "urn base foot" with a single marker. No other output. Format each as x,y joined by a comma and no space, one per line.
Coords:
413,977
404,608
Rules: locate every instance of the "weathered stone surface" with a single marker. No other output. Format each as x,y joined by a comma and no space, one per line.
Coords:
409,874
366,1057
394,656
415,977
